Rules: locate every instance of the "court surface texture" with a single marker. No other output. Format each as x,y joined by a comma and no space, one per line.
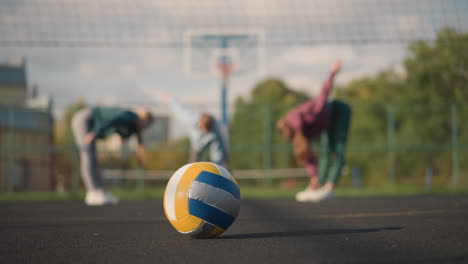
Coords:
408,229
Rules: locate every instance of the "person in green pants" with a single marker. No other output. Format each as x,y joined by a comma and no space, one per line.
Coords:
333,142
324,119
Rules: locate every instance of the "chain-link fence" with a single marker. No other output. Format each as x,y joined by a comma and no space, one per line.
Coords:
418,145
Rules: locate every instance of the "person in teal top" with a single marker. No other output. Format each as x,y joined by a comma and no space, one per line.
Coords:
91,124
109,120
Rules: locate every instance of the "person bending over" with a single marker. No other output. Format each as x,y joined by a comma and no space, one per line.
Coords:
93,123
324,119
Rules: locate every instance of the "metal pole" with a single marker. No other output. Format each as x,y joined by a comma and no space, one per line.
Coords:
224,92
428,179
3,155
224,114
455,156
141,178
356,178
267,144
391,143
224,84
74,167
11,150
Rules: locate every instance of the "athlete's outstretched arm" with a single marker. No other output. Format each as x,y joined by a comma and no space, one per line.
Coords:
186,115
320,101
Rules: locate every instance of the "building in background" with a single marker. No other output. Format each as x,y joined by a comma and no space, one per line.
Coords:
13,83
26,133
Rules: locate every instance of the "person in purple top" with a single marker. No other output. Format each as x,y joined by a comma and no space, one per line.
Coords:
324,119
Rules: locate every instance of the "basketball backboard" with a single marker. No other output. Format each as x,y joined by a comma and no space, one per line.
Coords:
205,50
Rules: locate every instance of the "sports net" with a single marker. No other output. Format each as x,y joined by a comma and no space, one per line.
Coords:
152,23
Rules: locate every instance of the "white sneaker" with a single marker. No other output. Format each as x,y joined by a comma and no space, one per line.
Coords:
324,193
100,197
305,196
318,195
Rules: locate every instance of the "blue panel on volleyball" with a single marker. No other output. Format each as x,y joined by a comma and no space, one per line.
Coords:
210,214
220,182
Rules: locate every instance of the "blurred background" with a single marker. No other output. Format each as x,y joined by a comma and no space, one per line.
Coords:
405,73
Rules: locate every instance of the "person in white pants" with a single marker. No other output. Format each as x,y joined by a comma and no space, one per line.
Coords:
90,124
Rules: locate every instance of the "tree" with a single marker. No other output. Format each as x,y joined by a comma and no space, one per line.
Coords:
421,101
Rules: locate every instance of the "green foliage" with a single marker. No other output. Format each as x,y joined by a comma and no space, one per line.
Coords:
402,118
165,156
437,72
65,158
416,104
63,131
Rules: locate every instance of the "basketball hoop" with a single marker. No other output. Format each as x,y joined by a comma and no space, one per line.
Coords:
225,65
223,53
225,61
210,52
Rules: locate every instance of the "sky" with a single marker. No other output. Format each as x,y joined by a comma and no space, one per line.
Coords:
124,52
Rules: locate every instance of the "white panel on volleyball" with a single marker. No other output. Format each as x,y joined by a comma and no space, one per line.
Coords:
215,197
224,173
169,195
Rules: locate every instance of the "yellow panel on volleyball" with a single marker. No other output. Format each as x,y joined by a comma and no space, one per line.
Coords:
187,223
209,167
181,199
216,232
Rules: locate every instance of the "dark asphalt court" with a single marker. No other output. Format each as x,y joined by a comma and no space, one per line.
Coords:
421,229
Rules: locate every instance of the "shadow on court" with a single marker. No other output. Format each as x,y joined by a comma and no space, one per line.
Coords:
306,233
423,229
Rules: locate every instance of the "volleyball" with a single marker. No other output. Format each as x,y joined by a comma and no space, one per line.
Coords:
201,200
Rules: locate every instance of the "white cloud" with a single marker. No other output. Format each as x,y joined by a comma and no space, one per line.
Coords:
305,68
7,19
109,100
311,56
183,11
408,23
153,33
151,92
87,70
310,84
262,8
128,69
